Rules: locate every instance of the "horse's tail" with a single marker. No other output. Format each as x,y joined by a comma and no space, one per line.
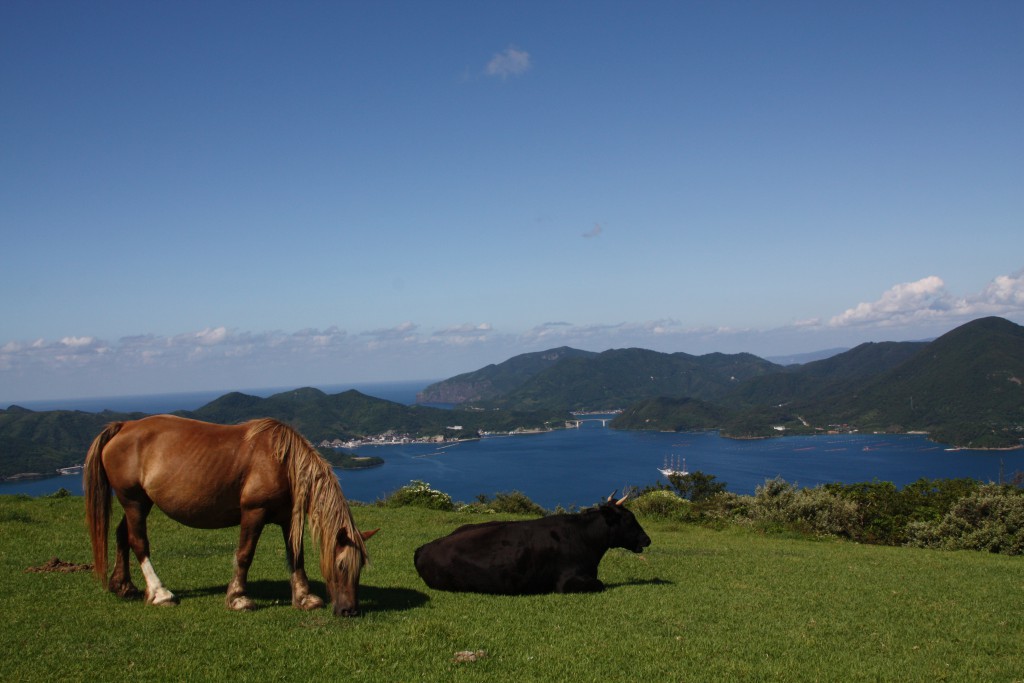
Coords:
96,487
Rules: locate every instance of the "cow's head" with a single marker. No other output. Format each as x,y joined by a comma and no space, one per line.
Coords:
623,529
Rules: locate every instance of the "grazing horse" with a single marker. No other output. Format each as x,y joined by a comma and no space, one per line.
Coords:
213,476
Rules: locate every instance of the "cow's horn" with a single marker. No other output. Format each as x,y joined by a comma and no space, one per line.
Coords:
611,496
622,500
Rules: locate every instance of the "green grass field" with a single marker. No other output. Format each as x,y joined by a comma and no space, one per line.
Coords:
699,605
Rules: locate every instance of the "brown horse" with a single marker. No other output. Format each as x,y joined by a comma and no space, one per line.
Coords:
214,476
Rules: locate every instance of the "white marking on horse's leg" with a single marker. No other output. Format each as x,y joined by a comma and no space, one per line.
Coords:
156,594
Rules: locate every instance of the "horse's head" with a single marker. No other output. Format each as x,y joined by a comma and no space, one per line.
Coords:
349,558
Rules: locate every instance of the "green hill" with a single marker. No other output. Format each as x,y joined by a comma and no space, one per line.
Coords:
821,377
617,378
671,414
493,381
965,387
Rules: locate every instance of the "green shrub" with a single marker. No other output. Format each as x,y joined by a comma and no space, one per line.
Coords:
517,503
930,499
696,486
725,506
659,503
773,503
992,519
779,504
825,513
419,494
882,511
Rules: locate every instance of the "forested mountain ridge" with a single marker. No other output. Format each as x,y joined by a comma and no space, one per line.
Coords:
964,388
41,442
493,381
616,378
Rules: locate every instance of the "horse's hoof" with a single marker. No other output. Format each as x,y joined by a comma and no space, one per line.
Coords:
308,602
241,603
127,591
162,598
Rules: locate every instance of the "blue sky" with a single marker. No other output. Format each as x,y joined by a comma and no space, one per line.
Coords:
222,195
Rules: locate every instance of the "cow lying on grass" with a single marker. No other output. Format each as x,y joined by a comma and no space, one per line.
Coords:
559,553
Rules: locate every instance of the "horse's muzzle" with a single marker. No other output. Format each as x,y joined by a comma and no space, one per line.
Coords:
347,612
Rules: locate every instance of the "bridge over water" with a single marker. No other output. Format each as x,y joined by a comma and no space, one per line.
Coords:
575,424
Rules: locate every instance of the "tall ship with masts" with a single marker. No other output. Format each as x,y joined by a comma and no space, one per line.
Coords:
674,467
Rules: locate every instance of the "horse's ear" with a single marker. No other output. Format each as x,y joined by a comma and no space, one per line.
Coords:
344,539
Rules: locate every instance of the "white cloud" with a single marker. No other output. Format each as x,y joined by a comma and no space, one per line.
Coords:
467,328
210,337
1005,293
464,335
593,232
77,342
902,302
511,62
928,301
404,331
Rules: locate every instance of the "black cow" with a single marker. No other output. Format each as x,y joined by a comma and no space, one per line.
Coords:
559,553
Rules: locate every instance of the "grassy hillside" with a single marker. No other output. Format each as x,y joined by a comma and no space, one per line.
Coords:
699,605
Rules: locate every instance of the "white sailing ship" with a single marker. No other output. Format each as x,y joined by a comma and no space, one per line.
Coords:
674,467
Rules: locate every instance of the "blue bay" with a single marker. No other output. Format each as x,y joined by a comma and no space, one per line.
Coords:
580,466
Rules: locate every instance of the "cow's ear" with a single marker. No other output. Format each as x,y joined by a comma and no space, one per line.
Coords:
610,513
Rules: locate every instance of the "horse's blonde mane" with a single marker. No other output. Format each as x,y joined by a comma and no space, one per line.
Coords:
316,494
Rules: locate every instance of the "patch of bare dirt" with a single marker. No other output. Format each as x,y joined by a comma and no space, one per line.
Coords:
469,656
55,564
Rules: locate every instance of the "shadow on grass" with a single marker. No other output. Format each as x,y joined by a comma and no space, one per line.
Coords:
270,594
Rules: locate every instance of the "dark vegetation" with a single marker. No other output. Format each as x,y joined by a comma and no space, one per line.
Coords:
950,514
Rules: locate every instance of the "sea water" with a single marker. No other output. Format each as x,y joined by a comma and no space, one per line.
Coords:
578,467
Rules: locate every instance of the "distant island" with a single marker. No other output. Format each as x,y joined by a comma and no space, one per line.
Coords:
964,389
